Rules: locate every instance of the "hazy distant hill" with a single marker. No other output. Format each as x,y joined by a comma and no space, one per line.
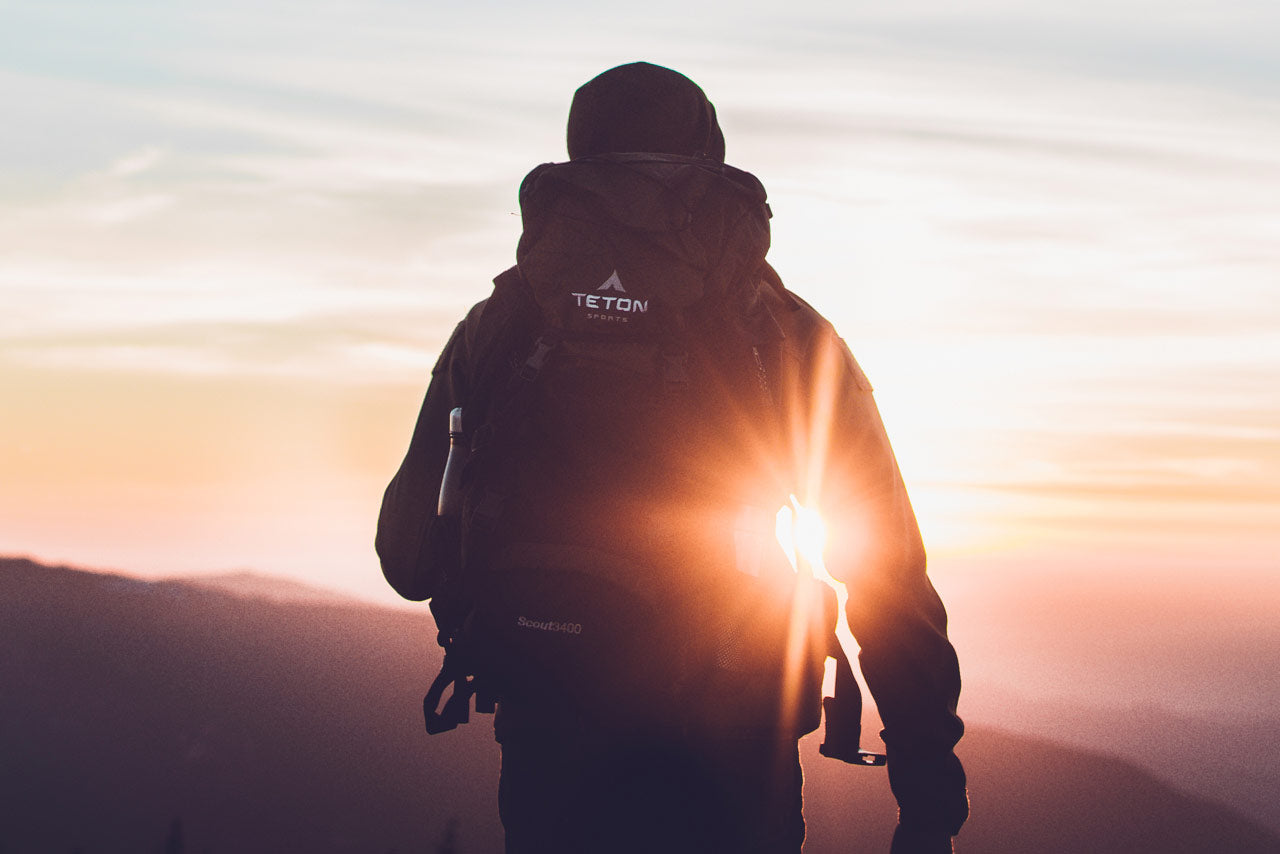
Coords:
256,586
1179,675
263,725
269,725
1230,761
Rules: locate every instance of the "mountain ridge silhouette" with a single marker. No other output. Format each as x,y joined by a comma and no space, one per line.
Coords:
266,725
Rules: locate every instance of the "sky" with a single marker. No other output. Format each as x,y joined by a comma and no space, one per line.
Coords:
234,236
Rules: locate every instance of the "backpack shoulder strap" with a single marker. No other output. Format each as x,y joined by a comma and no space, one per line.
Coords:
509,318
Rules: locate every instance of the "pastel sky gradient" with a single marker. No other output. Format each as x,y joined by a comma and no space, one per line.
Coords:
234,235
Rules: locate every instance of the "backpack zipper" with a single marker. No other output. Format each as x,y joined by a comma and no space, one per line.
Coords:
762,376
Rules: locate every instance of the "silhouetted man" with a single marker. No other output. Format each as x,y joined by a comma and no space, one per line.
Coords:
582,773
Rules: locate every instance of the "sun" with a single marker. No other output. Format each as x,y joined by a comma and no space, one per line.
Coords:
802,534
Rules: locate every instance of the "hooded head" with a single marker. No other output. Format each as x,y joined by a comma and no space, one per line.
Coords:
643,107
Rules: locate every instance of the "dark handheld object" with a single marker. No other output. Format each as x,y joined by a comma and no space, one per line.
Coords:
843,713
443,715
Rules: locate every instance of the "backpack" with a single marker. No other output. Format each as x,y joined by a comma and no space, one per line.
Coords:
624,444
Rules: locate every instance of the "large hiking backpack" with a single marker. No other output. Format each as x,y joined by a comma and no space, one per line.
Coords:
622,423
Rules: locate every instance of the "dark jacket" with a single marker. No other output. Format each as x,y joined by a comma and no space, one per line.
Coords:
874,544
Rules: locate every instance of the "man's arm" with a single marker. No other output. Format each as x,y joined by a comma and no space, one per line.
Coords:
409,503
894,613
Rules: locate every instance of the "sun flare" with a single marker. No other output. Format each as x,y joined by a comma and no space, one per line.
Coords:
802,535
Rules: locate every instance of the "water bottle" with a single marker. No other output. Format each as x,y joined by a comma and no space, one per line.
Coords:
450,503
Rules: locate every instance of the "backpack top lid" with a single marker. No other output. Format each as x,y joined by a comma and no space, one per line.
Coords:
612,241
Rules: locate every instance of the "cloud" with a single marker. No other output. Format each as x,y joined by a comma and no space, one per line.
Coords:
1226,45
137,162
377,341
117,211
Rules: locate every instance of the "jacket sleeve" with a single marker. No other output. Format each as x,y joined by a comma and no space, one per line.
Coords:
894,613
403,540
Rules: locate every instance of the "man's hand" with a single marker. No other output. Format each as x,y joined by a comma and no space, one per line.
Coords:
907,840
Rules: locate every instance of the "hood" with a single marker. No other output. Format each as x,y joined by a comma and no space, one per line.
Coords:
640,107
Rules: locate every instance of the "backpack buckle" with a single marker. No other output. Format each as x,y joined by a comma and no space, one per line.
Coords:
537,360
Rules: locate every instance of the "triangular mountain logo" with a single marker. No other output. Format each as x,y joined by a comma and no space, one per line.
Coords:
613,283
